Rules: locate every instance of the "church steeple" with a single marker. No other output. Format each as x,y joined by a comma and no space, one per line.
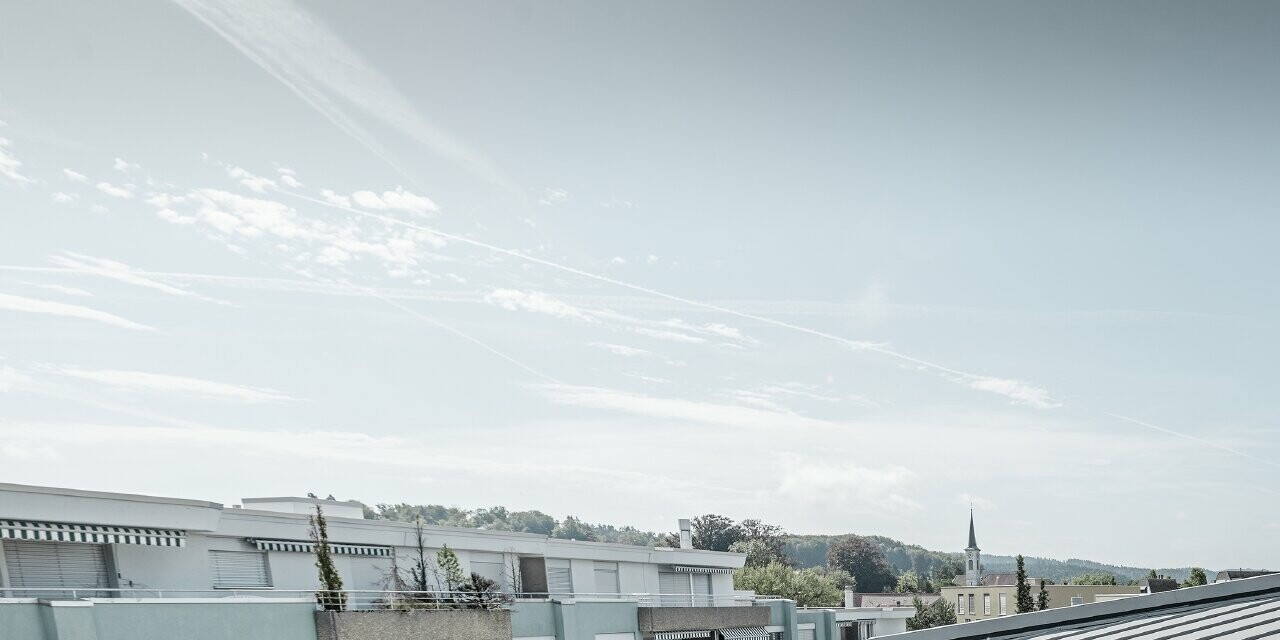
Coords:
973,558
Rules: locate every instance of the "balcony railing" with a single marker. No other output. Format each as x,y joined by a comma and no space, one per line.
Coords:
373,600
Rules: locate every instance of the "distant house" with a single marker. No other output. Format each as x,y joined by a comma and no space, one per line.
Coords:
1240,574
1157,585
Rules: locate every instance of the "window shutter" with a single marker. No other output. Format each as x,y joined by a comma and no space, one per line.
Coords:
559,577
239,569
54,565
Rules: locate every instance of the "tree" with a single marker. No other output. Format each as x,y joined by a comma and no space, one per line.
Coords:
935,614
532,522
1024,603
759,552
1094,579
715,533
419,578
808,587
1042,602
843,579
479,592
1151,575
908,583
450,569
862,559
330,596
572,528
1197,578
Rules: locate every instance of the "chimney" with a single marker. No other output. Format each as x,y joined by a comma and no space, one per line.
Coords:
686,534
848,598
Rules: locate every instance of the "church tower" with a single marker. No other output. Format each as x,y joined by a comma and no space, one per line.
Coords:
973,558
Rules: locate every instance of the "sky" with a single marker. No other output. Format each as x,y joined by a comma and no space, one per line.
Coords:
844,267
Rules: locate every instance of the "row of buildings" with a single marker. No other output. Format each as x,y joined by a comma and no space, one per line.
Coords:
109,549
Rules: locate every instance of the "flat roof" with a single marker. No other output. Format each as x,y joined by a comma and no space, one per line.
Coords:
106,495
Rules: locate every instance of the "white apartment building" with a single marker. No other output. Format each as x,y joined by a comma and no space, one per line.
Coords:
52,538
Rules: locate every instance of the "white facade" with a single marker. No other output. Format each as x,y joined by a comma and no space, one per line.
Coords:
265,546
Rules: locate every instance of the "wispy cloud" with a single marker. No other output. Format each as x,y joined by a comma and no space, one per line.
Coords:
536,302
164,383
74,176
10,377
123,191
47,307
123,273
255,183
71,291
845,483
313,62
124,166
397,200
676,408
62,197
621,350
10,165
1016,390
553,196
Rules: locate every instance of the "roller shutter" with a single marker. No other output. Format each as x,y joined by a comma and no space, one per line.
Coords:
559,577
674,589
239,569
55,565
805,634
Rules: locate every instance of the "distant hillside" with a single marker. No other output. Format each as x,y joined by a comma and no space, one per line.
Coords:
811,551
804,550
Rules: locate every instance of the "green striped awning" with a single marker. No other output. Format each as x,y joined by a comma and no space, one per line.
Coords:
302,546
688,569
90,533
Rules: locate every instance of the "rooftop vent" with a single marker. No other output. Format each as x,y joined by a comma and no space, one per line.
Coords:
686,534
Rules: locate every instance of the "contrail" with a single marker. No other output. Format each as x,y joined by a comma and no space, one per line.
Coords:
1203,441
852,344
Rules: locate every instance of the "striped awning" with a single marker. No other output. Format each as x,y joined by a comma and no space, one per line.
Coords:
90,533
302,546
689,569
744,633
681,635
846,623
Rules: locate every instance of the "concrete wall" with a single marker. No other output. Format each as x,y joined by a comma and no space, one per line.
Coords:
454,624
824,624
583,620
533,619
222,619
653,619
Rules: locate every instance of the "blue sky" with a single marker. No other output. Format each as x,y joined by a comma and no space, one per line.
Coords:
844,267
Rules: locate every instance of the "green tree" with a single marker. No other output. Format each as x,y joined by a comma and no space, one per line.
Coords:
1196,578
808,587
572,528
715,533
1151,575
862,559
843,579
330,596
908,583
532,522
1024,603
935,614
1094,579
1042,602
759,552
450,569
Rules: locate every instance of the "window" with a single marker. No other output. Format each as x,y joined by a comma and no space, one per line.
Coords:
701,589
805,634
559,577
1003,609
239,569
54,565
1075,600
960,604
986,604
489,565
970,564
606,577
972,609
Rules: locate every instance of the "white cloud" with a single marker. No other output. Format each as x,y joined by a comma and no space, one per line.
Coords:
10,164
809,481
72,175
676,408
1015,390
552,196
123,273
621,350
398,200
335,198
536,302
32,305
673,336
124,166
99,209
290,181
9,377
71,291
124,191
252,182
651,259
163,383
618,260
61,197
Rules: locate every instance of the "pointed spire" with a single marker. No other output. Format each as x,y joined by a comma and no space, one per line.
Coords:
973,540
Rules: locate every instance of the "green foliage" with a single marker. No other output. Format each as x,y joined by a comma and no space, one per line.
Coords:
715,532
864,560
935,614
843,579
1196,578
908,583
808,587
1042,601
759,553
450,569
1023,602
1094,579
572,528
330,596
1151,575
